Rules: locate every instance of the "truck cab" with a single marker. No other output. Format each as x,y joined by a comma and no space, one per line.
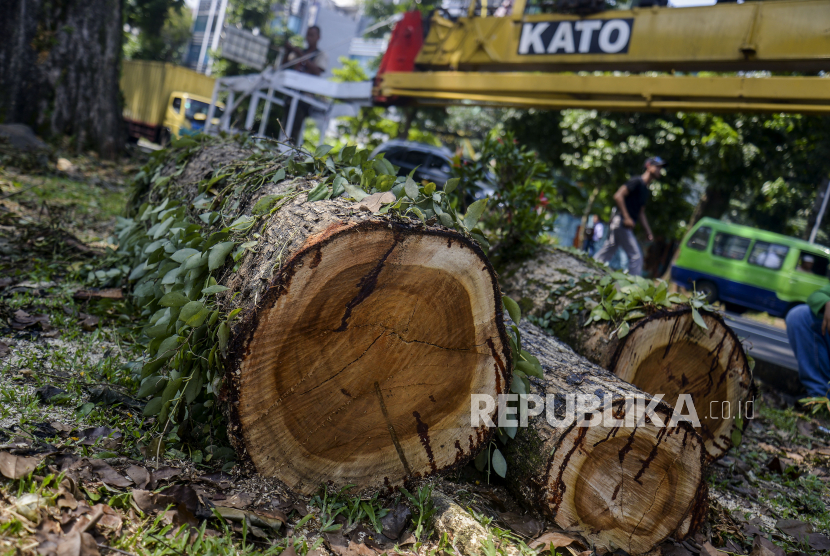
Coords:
186,114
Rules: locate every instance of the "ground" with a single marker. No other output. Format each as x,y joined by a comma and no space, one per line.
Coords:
81,473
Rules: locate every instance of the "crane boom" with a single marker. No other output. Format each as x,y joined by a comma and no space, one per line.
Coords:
510,60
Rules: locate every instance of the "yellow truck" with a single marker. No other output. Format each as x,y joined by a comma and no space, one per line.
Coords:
164,101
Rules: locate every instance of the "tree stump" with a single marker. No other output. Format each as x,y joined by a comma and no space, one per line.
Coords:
621,487
664,353
361,335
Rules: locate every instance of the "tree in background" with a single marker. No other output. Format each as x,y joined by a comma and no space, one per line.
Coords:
59,69
163,29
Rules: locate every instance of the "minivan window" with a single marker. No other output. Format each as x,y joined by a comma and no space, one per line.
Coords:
768,255
729,246
177,105
813,264
700,239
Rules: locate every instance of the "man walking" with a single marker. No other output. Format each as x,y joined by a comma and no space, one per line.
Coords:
631,200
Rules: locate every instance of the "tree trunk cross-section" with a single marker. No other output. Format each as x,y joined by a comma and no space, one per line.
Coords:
621,487
361,338
664,353
359,362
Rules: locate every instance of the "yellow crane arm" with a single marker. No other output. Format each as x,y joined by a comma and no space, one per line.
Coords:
509,60
780,36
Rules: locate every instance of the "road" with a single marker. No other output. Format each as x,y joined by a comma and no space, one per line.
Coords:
764,342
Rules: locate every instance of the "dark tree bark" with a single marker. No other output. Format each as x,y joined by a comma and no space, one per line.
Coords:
59,68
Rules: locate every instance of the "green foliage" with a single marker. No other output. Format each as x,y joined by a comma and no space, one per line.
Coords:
526,191
164,30
423,509
355,509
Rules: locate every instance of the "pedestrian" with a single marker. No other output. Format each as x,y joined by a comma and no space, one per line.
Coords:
807,328
631,199
593,234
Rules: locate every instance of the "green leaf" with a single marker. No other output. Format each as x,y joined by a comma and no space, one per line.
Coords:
219,253
698,319
322,150
194,313
174,299
481,460
210,290
162,229
529,368
512,309
338,186
151,385
451,184
354,192
182,255
279,175
153,407
517,386
264,205
474,212
318,193
429,189
499,463
622,332
194,386
170,343
223,334
445,219
411,188
737,437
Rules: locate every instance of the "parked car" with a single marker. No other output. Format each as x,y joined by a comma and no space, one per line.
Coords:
748,268
430,163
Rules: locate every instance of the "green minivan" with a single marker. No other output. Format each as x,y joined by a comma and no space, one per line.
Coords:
750,268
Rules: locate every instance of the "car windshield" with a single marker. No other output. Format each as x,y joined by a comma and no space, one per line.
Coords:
193,107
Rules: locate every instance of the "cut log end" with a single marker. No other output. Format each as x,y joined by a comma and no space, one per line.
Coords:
358,365
628,487
669,354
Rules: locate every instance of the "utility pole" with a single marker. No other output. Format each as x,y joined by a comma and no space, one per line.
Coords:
822,210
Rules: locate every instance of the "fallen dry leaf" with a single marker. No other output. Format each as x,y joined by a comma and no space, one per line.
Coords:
78,544
523,525
108,475
89,322
708,550
795,528
239,500
109,293
373,202
149,502
15,467
4,349
179,516
762,547
552,539
139,475
817,541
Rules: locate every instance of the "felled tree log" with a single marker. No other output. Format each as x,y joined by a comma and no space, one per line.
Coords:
619,486
361,335
663,353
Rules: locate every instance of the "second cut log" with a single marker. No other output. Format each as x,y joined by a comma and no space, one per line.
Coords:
665,353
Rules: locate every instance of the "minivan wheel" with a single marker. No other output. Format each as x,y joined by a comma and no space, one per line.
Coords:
708,289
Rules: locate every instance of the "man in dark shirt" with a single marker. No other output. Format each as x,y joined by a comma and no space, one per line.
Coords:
631,200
